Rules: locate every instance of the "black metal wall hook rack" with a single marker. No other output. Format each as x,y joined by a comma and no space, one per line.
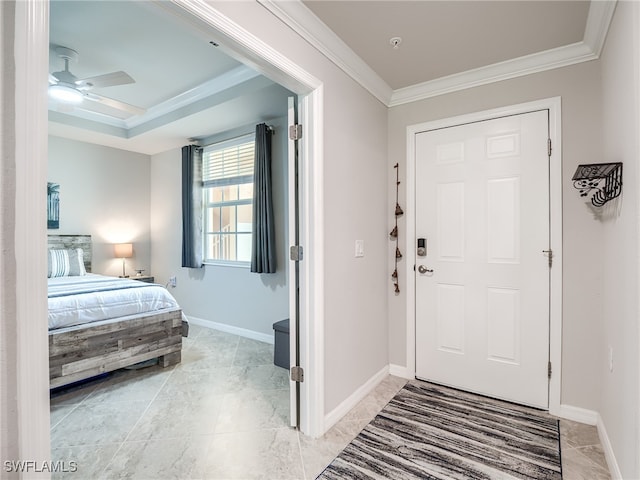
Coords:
604,179
394,233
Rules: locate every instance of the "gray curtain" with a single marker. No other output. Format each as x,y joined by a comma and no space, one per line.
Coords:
192,206
263,252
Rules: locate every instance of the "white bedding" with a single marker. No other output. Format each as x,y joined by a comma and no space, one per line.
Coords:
90,298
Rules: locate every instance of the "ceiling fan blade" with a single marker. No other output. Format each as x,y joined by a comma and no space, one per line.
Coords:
116,104
106,80
52,80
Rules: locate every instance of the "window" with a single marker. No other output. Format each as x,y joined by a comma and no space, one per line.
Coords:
227,176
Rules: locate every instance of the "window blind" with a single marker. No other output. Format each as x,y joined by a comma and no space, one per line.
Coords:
229,163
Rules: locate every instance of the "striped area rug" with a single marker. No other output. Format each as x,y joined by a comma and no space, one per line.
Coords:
432,432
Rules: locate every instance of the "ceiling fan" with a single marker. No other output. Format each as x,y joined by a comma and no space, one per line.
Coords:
68,89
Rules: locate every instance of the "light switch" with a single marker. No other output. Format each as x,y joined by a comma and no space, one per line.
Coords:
359,248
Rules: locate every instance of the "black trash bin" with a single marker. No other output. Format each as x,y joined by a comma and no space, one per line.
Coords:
281,347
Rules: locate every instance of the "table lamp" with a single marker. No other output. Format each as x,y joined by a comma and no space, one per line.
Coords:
123,250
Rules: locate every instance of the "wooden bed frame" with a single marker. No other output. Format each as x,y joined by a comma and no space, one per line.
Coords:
84,351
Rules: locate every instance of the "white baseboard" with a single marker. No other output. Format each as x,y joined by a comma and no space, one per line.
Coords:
577,414
400,371
243,332
614,469
591,417
334,416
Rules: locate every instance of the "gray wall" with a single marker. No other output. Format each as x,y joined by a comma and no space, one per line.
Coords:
619,404
104,192
579,87
230,295
354,151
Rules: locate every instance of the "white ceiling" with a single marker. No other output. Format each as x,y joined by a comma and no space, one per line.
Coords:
440,38
446,45
189,88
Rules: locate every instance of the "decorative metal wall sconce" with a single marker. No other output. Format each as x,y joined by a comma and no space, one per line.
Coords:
394,234
602,180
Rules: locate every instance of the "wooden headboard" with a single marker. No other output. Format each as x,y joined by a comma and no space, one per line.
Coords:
73,241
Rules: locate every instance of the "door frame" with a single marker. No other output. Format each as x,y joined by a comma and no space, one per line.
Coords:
31,49
554,105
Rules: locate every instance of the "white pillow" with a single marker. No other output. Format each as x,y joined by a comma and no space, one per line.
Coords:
65,263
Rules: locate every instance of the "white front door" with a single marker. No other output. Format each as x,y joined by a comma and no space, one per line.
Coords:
482,289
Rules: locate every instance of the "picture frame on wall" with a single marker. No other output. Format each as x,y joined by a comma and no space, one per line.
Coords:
53,205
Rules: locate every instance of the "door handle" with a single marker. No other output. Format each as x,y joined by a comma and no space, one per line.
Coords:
423,269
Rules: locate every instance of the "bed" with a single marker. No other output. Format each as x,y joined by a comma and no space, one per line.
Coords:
98,324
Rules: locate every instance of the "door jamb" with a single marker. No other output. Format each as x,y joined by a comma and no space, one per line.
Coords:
554,105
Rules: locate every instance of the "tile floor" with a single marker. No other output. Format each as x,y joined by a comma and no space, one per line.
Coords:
582,453
222,413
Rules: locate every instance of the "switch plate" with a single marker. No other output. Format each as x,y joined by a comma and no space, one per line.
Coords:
359,248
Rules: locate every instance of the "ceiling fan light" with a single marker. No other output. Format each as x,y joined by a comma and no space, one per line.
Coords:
65,93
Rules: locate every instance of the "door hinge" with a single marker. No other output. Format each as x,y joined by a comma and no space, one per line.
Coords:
297,374
549,147
296,252
549,369
549,254
295,132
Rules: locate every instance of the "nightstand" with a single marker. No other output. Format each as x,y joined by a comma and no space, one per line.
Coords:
142,278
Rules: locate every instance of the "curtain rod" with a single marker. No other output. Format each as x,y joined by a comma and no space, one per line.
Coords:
193,140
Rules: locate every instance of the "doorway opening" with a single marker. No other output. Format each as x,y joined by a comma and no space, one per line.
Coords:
32,47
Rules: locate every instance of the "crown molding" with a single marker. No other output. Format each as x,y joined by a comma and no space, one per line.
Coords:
518,67
223,82
302,20
598,21
122,127
94,121
245,47
305,23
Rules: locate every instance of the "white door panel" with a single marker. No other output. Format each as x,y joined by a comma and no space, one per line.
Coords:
482,203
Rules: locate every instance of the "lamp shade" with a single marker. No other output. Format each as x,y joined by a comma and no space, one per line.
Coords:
123,250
